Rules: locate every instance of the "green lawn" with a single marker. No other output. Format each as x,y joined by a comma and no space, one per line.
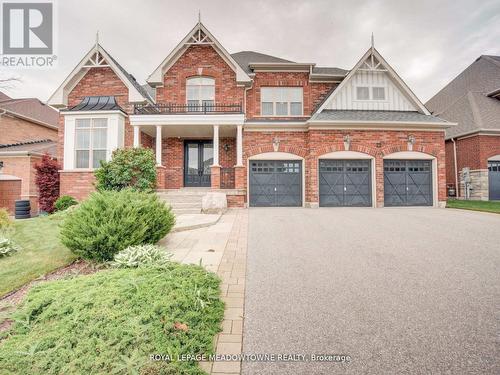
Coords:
486,206
41,252
112,321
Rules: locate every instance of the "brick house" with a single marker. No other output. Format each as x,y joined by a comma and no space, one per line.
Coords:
264,130
28,129
472,100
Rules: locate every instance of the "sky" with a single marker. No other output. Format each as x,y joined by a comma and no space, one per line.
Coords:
427,42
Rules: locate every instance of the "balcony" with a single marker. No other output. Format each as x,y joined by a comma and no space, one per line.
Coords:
188,109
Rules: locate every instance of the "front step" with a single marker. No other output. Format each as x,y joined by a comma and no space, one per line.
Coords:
184,201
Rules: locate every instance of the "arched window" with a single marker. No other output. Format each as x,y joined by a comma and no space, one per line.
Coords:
200,93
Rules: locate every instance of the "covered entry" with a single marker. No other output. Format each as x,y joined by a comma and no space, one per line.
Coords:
408,183
345,183
275,183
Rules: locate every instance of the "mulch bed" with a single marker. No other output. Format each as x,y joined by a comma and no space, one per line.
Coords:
14,298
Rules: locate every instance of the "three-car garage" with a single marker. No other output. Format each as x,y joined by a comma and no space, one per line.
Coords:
344,182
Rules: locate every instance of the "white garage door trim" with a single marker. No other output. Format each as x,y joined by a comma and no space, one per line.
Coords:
353,155
416,155
278,156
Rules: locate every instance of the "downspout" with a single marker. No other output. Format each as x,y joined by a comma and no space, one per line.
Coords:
457,188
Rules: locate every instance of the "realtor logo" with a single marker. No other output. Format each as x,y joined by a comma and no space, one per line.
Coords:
27,28
28,34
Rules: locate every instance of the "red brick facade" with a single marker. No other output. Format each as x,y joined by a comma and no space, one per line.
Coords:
10,190
472,152
314,143
205,61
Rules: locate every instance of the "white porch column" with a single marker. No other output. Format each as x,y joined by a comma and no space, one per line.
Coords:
216,145
239,145
137,136
158,144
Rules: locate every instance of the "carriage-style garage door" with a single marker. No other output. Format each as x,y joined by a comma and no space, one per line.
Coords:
407,183
494,179
345,183
275,183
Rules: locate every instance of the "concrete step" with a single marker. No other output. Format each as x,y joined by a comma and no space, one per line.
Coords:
185,205
184,211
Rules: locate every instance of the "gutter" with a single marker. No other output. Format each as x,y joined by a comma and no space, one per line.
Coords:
457,188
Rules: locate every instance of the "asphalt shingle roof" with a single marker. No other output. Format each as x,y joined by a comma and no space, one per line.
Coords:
329,71
40,146
382,116
30,108
244,58
464,100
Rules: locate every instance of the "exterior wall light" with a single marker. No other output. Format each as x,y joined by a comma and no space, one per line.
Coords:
411,142
226,147
347,142
276,144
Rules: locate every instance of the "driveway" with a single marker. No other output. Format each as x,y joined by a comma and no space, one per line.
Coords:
400,291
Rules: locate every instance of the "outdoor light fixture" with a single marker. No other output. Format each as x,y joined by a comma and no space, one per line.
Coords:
1,166
411,142
226,147
347,142
276,144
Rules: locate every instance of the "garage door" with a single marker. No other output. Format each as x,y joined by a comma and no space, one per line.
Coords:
345,183
275,183
494,179
407,183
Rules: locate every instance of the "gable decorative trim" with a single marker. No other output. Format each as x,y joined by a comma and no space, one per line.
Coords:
199,35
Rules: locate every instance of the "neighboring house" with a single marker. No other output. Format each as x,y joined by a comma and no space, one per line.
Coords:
265,130
28,129
472,100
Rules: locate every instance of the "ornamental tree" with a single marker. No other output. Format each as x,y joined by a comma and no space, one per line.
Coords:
47,181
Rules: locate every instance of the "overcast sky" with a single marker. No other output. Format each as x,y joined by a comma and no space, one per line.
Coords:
428,42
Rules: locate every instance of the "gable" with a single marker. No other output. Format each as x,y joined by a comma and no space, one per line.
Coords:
346,98
198,36
373,71
97,59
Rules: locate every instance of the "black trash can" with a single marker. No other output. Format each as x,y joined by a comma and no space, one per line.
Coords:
23,208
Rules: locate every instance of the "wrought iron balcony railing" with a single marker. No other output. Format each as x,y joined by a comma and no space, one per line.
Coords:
191,109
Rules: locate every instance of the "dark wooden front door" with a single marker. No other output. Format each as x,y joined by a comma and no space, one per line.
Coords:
198,158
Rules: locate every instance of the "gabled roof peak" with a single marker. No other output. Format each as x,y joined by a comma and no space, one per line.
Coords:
199,35
98,57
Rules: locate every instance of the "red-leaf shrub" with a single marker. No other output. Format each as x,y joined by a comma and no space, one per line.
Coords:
47,180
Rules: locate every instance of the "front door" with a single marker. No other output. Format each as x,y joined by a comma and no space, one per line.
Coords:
198,158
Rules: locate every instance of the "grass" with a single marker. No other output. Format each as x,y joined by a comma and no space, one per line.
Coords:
485,206
41,252
111,322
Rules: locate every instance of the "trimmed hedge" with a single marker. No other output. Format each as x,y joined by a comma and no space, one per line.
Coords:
64,202
110,221
129,168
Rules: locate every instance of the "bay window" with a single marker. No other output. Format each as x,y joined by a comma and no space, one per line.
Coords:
200,92
90,142
281,101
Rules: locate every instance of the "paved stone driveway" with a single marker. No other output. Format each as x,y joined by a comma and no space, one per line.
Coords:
402,291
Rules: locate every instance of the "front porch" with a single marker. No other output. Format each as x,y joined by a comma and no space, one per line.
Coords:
195,150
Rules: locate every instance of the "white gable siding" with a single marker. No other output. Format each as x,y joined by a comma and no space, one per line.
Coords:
346,97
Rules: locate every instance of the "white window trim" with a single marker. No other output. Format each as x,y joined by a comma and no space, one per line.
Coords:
91,148
288,102
115,136
200,101
370,94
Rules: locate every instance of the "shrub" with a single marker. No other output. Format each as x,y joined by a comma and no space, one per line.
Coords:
129,168
64,202
142,255
47,181
110,322
110,221
7,247
5,220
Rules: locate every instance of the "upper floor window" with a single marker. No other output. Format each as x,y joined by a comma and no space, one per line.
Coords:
90,142
281,101
363,93
200,92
